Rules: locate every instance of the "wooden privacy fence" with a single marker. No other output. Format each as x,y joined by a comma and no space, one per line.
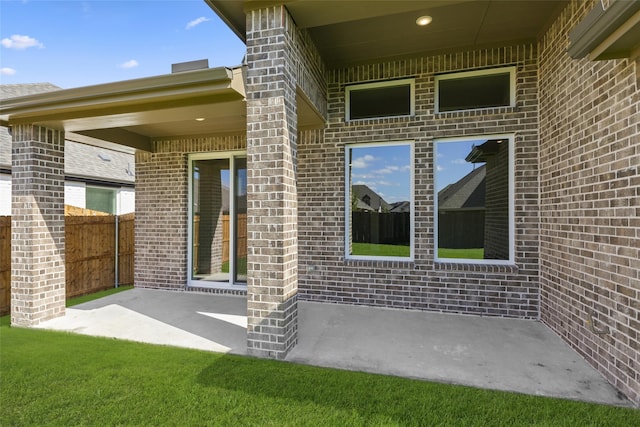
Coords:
461,229
5,264
90,254
241,241
388,228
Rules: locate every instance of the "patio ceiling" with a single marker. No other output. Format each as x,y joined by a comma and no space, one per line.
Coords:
356,31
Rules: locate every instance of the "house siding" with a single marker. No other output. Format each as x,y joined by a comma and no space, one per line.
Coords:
162,206
590,203
324,273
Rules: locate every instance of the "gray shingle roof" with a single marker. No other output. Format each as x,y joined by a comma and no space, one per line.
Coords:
468,192
364,193
81,161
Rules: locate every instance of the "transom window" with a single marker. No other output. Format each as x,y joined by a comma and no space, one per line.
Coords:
379,201
474,199
475,89
380,99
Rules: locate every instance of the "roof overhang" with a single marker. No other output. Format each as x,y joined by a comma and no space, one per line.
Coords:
360,31
608,34
133,112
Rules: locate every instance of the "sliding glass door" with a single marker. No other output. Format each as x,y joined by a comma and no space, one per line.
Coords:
218,215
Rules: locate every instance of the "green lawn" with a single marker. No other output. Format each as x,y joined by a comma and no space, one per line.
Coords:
461,253
55,378
374,249
241,266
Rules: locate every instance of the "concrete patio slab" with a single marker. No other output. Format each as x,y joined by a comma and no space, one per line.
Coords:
487,352
182,319
502,354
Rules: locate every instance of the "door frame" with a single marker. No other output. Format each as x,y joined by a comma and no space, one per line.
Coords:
229,155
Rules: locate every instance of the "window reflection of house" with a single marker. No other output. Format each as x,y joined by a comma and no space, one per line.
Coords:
461,212
495,153
370,200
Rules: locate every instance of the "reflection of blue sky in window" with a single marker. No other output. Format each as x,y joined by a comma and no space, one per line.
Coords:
384,169
450,161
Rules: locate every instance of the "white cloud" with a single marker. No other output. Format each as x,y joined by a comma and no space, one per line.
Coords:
196,22
129,64
459,162
362,162
6,71
20,42
439,168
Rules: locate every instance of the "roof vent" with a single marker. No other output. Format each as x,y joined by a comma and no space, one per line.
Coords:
200,64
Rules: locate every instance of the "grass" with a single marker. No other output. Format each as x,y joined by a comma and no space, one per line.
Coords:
461,253
241,266
374,249
86,298
54,378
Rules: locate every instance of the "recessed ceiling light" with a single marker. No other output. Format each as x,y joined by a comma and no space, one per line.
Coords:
200,119
424,20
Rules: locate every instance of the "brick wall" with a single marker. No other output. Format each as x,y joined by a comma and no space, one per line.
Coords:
37,225
325,275
162,195
590,203
496,225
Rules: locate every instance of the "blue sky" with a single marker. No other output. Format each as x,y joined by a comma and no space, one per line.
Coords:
384,169
79,43
450,163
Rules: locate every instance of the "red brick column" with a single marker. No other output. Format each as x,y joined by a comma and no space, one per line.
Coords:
37,225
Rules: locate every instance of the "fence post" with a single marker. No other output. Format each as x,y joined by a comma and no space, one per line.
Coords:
117,251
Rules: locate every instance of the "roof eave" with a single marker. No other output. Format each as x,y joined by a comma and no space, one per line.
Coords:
157,90
594,33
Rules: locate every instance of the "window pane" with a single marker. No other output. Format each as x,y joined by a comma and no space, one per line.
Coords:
379,191
101,199
467,93
210,220
384,101
472,184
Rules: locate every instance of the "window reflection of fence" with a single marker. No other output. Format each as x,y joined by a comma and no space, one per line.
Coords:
90,252
241,243
461,229
389,228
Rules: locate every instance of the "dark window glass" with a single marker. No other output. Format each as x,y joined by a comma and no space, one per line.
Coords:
386,101
467,93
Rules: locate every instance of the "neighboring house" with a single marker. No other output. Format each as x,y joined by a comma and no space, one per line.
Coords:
461,208
326,95
368,200
96,178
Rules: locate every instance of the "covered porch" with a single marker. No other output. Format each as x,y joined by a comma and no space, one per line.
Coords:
503,354
178,125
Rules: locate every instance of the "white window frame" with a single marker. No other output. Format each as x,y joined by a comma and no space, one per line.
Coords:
347,207
485,72
386,83
511,261
227,155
